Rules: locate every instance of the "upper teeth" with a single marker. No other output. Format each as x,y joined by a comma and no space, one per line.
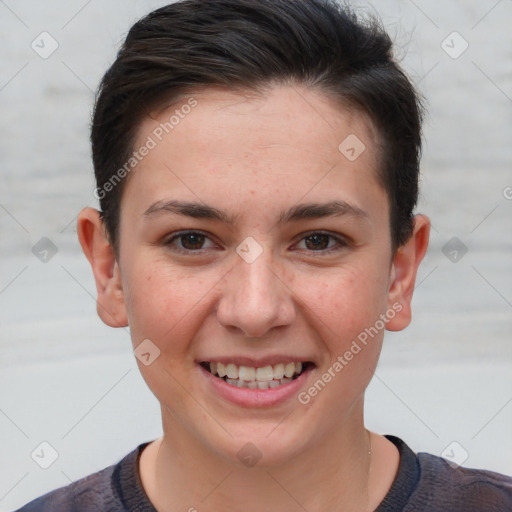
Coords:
262,374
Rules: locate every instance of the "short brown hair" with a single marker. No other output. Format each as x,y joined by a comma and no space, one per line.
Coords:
249,44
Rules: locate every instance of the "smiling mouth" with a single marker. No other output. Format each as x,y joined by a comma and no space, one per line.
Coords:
266,377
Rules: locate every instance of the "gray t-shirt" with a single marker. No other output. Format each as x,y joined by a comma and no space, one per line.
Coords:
424,482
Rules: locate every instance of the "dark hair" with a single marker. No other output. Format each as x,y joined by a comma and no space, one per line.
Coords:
251,44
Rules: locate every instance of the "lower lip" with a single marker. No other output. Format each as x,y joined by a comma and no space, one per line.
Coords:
246,397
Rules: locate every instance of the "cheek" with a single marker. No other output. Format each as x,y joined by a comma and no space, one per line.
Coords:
346,300
162,303
346,309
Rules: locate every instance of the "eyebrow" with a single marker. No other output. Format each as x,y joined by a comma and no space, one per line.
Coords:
304,211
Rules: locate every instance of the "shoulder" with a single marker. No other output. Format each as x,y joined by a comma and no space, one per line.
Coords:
91,493
97,492
443,484
429,483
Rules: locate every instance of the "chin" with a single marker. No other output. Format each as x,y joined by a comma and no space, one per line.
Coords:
268,445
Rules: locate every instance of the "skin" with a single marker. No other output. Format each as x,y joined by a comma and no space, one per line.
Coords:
255,156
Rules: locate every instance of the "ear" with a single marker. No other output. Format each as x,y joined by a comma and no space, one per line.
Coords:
403,273
97,249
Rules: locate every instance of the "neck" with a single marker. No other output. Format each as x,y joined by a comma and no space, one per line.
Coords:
336,473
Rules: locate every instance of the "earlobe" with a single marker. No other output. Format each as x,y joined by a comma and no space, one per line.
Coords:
100,254
403,273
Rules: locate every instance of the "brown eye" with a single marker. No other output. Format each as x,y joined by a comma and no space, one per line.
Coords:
188,242
323,242
192,241
317,242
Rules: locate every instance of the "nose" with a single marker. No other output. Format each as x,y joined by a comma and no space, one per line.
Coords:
255,298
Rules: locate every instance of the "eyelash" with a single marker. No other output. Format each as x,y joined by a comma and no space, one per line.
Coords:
340,241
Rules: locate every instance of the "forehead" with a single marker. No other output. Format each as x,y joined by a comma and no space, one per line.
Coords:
286,115
290,139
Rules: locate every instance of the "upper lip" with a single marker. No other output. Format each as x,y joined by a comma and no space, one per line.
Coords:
256,363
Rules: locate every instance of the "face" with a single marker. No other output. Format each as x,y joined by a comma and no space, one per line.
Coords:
249,237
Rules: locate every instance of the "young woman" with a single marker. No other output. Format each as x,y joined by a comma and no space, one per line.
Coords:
257,170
